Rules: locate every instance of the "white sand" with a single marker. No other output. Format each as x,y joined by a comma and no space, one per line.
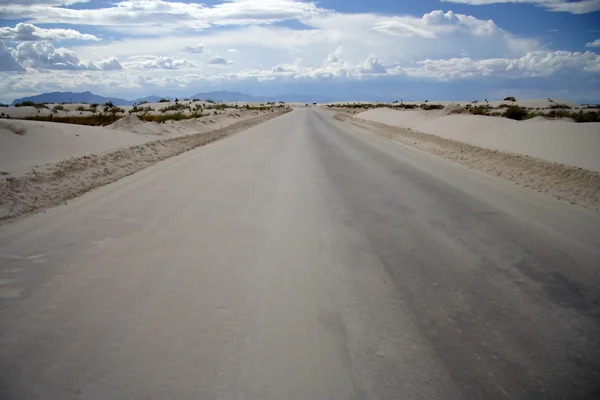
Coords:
49,142
570,143
46,143
529,103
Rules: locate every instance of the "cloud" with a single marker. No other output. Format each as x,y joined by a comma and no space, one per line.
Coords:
231,50
168,63
28,32
158,14
573,7
220,61
534,64
595,43
46,56
372,66
197,49
7,61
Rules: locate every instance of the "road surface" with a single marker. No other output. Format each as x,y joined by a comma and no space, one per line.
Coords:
302,259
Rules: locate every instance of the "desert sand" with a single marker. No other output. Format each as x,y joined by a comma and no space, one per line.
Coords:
46,163
27,145
559,141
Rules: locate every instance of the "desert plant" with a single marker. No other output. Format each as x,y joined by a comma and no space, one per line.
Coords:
3,105
81,108
164,101
510,98
479,110
210,101
517,113
25,103
560,106
58,107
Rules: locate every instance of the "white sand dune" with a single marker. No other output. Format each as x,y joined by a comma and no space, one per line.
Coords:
570,143
48,142
44,143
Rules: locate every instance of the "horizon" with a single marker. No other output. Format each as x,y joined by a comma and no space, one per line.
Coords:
438,50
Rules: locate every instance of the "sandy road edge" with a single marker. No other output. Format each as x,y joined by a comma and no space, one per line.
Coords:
67,179
572,184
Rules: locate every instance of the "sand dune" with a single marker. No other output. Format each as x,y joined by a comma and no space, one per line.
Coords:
575,144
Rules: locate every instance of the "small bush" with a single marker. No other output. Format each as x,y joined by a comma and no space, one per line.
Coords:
26,103
560,107
81,108
164,101
166,117
210,101
432,106
510,98
173,107
58,108
515,112
479,110
142,102
92,120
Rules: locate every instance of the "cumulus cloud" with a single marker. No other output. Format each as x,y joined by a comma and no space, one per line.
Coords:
168,63
595,43
28,32
372,66
534,64
573,7
220,61
7,61
231,50
46,56
197,49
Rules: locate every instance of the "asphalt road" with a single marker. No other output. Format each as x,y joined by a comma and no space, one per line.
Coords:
302,259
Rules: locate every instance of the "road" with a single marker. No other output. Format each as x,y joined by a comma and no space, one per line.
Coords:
302,259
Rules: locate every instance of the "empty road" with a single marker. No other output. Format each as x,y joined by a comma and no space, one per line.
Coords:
302,259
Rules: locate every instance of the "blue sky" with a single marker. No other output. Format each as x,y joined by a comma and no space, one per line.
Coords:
350,49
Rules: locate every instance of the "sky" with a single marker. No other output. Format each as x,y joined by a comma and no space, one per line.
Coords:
345,49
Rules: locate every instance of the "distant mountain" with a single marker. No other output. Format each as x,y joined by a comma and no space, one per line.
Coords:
73,97
152,99
223,96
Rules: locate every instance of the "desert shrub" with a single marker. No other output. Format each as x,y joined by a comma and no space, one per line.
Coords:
503,106
58,107
432,106
589,116
516,113
164,101
93,120
479,110
81,108
210,101
195,100
26,103
559,107
510,98
142,102
174,107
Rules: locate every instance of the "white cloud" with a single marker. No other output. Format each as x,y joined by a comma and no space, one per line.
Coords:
28,32
168,63
372,66
231,50
219,61
197,49
595,43
7,61
535,64
46,56
158,14
574,7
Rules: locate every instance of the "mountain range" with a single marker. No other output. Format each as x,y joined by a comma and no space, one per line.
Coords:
91,98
